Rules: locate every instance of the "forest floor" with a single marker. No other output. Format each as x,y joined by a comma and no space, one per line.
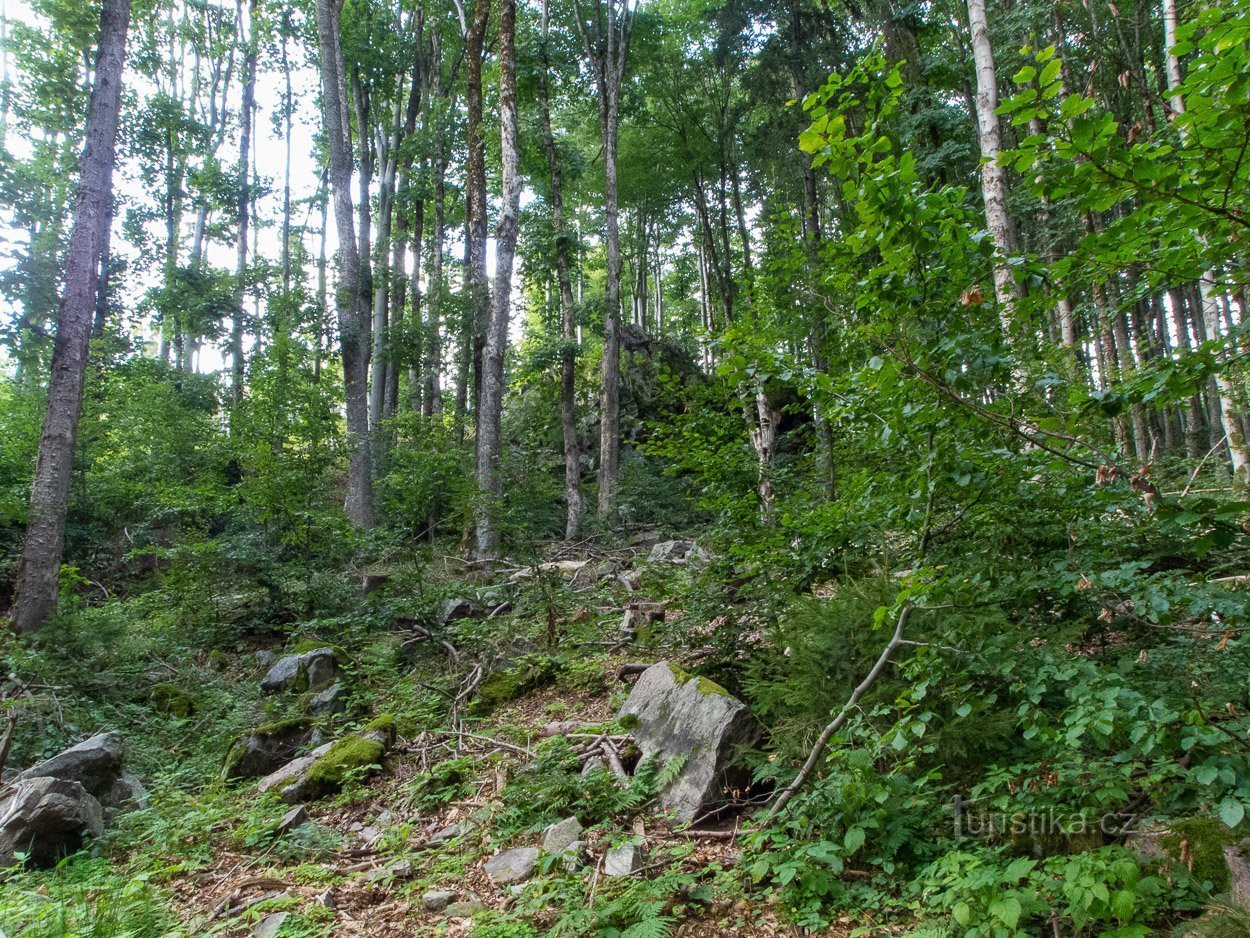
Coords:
214,856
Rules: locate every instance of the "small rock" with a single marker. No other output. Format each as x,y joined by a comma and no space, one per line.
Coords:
450,610
270,925
625,860
373,833
291,773
466,909
449,833
512,866
438,899
558,837
400,869
296,817
265,658
638,618
47,818
265,749
311,671
571,856
126,794
372,581
326,900
330,701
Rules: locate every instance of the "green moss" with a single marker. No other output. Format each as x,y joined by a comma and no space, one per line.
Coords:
329,773
704,685
279,728
1204,840
383,723
501,687
171,699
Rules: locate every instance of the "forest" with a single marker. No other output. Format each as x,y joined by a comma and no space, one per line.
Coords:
624,468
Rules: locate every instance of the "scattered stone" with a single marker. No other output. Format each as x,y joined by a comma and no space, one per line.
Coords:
557,838
266,749
674,714
296,817
265,658
308,671
638,619
326,900
512,866
373,833
46,818
571,856
449,610
624,860
125,794
438,899
678,552
332,700
449,833
270,925
399,870
466,909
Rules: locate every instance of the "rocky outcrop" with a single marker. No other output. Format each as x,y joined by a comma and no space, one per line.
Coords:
672,715
311,671
98,765
45,818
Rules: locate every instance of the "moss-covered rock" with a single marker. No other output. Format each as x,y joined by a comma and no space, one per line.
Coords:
501,687
169,698
265,748
704,685
1198,843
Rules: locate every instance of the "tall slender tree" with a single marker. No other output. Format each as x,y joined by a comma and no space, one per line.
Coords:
39,571
353,297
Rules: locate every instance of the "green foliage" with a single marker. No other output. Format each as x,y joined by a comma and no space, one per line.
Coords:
84,898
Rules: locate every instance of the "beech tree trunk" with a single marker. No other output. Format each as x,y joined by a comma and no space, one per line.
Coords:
490,410
475,196
993,176
606,42
39,570
352,297
568,309
244,202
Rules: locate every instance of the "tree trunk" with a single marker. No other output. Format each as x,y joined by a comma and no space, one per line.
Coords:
568,309
40,566
993,176
476,196
352,296
490,410
244,202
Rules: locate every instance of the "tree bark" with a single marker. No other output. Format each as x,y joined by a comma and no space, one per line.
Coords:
244,202
993,176
475,206
352,296
490,411
568,323
39,569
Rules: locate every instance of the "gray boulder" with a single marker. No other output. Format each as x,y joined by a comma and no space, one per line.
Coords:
678,552
265,749
287,779
308,671
624,860
46,818
557,838
512,866
332,700
271,924
95,763
438,899
449,610
675,714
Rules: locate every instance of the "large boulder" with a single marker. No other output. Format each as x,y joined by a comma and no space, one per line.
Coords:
46,818
678,552
673,714
95,763
307,671
266,749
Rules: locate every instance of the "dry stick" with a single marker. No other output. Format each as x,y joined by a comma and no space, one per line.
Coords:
1194,477
614,762
810,765
495,742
